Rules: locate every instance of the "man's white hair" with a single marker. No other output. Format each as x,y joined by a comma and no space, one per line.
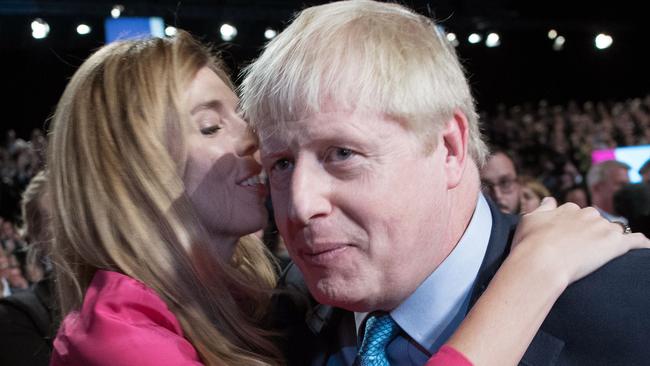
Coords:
598,172
364,55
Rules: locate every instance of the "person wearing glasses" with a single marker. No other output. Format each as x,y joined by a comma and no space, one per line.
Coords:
499,182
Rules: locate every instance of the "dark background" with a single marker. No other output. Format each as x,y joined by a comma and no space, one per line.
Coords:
524,68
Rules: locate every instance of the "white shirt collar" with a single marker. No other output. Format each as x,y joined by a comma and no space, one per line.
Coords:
6,289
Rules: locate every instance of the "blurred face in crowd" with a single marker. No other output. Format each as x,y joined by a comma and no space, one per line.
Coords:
7,229
499,181
15,274
4,264
604,191
577,196
529,200
222,175
355,195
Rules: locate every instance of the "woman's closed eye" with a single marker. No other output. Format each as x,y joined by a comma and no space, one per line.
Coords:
210,130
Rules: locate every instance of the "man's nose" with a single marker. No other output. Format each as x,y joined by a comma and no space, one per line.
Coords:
309,193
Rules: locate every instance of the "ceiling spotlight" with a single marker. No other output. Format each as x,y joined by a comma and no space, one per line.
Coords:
270,33
552,34
452,38
40,28
117,11
603,41
83,29
492,40
474,38
170,31
228,32
558,44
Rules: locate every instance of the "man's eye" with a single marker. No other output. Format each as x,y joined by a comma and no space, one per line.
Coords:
339,154
211,130
282,165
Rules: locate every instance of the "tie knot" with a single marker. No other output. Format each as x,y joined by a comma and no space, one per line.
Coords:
380,330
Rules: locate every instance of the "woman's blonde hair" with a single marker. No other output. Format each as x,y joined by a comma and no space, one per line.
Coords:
36,225
116,162
535,186
361,54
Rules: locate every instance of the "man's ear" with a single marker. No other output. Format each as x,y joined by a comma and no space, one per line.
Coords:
455,137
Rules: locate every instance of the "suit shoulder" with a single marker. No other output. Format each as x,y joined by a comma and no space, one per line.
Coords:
602,319
627,276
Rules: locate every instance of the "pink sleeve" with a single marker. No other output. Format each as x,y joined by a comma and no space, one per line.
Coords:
122,323
448,356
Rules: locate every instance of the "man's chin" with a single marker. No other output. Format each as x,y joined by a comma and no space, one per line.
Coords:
336,292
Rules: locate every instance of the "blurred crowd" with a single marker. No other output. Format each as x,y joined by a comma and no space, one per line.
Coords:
537,151
20,160
553,144
547,151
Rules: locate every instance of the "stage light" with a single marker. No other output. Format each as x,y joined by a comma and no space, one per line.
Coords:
603,41
558,44
552,34
474,38
270,33
452,38
492,40
228,32
83,29
170,31
117,11
40,28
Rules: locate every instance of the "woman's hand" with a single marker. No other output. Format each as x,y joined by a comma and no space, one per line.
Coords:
569,242
553,247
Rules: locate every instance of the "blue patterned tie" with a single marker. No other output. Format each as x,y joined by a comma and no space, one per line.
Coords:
380,330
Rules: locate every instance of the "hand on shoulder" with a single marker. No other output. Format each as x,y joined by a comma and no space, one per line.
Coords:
568,242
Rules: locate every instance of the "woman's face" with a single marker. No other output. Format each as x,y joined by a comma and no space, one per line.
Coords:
529,200
222,175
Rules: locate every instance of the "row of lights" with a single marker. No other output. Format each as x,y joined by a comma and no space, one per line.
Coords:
40,30
601,41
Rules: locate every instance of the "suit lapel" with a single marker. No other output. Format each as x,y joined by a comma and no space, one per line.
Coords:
503,228
544,349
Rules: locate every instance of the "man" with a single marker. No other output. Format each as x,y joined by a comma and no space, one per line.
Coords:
644,172
499,181
603,181
372,146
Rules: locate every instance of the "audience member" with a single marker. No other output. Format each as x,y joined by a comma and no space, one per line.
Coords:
644,172
576,194
603,181
633,202
499,181
532,193
27,319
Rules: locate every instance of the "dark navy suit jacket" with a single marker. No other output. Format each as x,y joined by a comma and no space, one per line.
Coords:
603,319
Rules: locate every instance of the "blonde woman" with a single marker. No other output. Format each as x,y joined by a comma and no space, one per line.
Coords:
154,192
154,189
532,193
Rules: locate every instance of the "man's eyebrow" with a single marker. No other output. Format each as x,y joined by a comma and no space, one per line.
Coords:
210,104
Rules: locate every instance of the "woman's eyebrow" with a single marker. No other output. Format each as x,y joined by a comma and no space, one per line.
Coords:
210,104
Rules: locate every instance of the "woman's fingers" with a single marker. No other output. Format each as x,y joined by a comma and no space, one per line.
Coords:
547,204
573,241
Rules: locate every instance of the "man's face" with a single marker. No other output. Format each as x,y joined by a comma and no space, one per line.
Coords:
613,182
499,181
358,202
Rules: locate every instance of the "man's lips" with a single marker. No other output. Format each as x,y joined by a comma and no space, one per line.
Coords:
324,254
